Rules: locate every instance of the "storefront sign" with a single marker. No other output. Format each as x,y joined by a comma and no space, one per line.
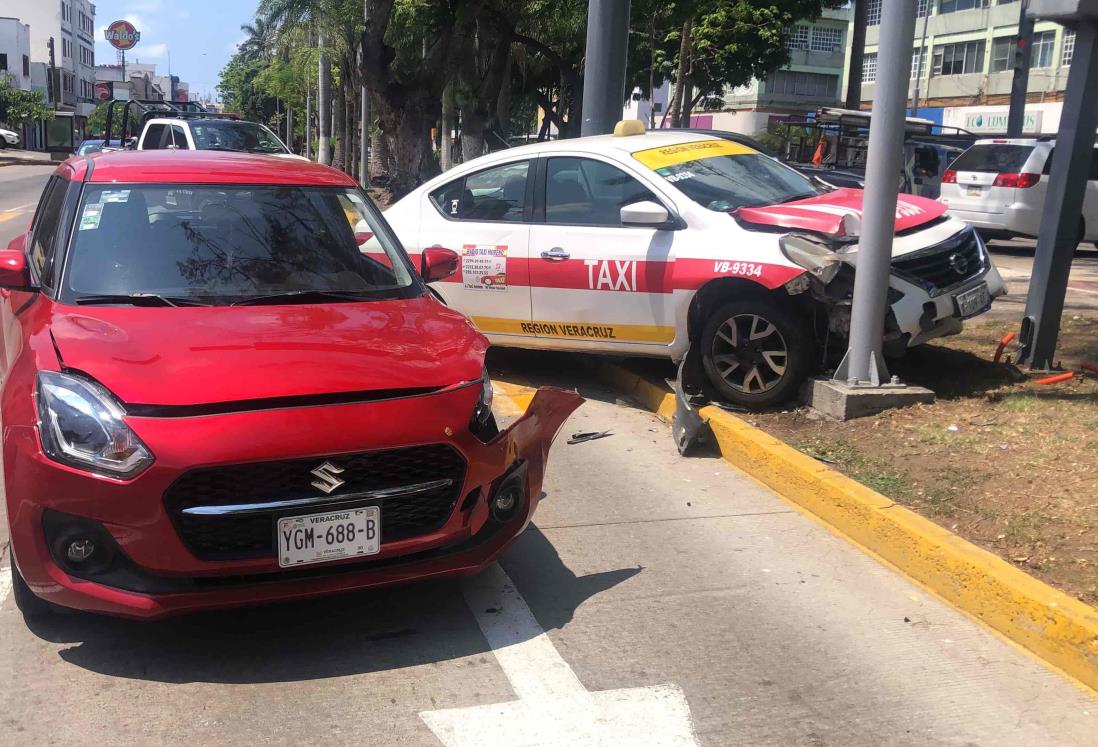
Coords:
996,121
122,35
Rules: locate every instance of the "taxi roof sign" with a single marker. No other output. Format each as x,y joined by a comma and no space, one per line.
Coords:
628,127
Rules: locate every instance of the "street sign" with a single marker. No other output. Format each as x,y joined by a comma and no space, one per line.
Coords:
122,35
104,90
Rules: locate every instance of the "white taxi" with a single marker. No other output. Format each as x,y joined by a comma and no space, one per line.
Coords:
662,243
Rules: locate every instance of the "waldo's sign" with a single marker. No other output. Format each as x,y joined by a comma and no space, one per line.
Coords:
122,35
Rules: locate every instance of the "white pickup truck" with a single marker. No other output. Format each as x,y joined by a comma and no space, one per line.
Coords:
211,133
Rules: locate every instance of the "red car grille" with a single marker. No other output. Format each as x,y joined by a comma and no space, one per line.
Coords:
251,535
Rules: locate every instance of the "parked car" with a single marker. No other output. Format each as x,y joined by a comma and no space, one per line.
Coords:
8,138
651,243
211,133
215,393
999,186
88,147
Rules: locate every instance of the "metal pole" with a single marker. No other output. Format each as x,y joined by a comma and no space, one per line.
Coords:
922,63
1058,235
323,103
1020,83
364,127
604,67
863,362
309,121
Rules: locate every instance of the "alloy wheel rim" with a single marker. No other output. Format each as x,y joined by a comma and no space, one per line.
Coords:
750,353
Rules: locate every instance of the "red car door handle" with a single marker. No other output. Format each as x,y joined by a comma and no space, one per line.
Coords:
556,254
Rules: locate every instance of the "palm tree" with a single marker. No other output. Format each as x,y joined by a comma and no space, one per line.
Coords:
260,41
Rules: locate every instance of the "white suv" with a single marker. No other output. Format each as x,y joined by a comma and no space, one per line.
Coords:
999,186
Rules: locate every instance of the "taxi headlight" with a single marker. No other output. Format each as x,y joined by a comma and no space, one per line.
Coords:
81,425
819,259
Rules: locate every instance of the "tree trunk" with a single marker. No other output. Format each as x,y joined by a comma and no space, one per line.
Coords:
685,45
445,151
308,121
652,73
406,123
339,126
324,103
857,54
472,133
687,102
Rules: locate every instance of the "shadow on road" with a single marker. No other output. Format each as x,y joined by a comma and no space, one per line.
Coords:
331,637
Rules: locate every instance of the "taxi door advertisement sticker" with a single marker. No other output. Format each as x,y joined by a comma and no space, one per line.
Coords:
484,266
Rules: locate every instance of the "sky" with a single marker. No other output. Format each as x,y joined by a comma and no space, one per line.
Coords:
199,35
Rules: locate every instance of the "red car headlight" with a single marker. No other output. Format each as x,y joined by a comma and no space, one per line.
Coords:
82,425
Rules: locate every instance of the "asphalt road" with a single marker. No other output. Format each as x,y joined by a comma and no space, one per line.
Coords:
655,599
20,188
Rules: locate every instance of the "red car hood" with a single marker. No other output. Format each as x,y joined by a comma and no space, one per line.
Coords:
202,355
824,213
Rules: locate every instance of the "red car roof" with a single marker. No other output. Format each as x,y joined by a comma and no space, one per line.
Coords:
200,167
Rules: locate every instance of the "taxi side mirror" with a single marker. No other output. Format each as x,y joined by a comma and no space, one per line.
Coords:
646,213
14,273
438,263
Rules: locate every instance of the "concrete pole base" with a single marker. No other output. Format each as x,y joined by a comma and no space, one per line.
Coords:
841,401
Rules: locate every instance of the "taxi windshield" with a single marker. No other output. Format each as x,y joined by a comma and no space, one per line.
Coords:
721,175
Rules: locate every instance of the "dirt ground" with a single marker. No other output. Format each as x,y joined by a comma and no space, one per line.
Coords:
1006,463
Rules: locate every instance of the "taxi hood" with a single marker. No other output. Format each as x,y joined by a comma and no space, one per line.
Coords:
222,354
823,214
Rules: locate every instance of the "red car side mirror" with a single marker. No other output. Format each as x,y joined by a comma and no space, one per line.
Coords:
14,273
438,263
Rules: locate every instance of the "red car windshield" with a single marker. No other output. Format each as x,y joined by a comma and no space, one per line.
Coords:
216,244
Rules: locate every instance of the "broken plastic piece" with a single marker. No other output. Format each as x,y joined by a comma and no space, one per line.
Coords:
1007,339
579,438
1057,378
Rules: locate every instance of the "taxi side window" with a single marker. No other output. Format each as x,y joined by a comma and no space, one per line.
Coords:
495,194
582,191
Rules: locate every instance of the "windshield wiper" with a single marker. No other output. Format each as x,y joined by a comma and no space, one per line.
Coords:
137,299
303,296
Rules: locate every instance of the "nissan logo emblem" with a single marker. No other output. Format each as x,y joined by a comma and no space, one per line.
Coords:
959,263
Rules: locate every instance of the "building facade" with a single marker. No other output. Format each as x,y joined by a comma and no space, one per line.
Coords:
963,64
71,25
15,58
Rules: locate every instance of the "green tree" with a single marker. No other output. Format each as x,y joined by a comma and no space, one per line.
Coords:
18,107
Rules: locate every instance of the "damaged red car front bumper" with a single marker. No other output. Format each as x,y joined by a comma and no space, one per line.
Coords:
159,566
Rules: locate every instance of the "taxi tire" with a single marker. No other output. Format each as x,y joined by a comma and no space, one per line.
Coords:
793,331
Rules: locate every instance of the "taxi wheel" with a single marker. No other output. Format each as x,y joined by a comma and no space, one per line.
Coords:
755,352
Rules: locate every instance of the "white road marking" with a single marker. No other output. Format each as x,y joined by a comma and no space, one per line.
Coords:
553,707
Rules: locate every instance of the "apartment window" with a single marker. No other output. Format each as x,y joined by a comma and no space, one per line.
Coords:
953,6
797,37
66,14
87,56
66,48
3,62
26,66
869,67
1069,47
923,8
826,39
792,83
918,65
873,13
1041,50
1002,53
958,59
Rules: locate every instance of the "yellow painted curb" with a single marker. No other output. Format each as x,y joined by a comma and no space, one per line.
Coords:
1055,627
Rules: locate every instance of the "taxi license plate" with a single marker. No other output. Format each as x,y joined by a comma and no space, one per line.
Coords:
317,538
972,302
974,191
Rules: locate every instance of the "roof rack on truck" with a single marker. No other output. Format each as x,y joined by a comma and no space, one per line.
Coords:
140,111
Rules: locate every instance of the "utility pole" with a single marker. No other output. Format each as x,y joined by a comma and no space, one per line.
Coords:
857,52
364,127
864,364
308,120
323,103
53,74
1058,236
604,67
921,64
1022,53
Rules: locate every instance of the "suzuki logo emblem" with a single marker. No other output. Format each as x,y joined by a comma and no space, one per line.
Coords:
326,474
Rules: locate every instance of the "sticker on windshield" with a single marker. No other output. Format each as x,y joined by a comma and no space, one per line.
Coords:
89,219
484,266
669,155
118,195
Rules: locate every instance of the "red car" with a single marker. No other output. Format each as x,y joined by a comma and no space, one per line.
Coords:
213,396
